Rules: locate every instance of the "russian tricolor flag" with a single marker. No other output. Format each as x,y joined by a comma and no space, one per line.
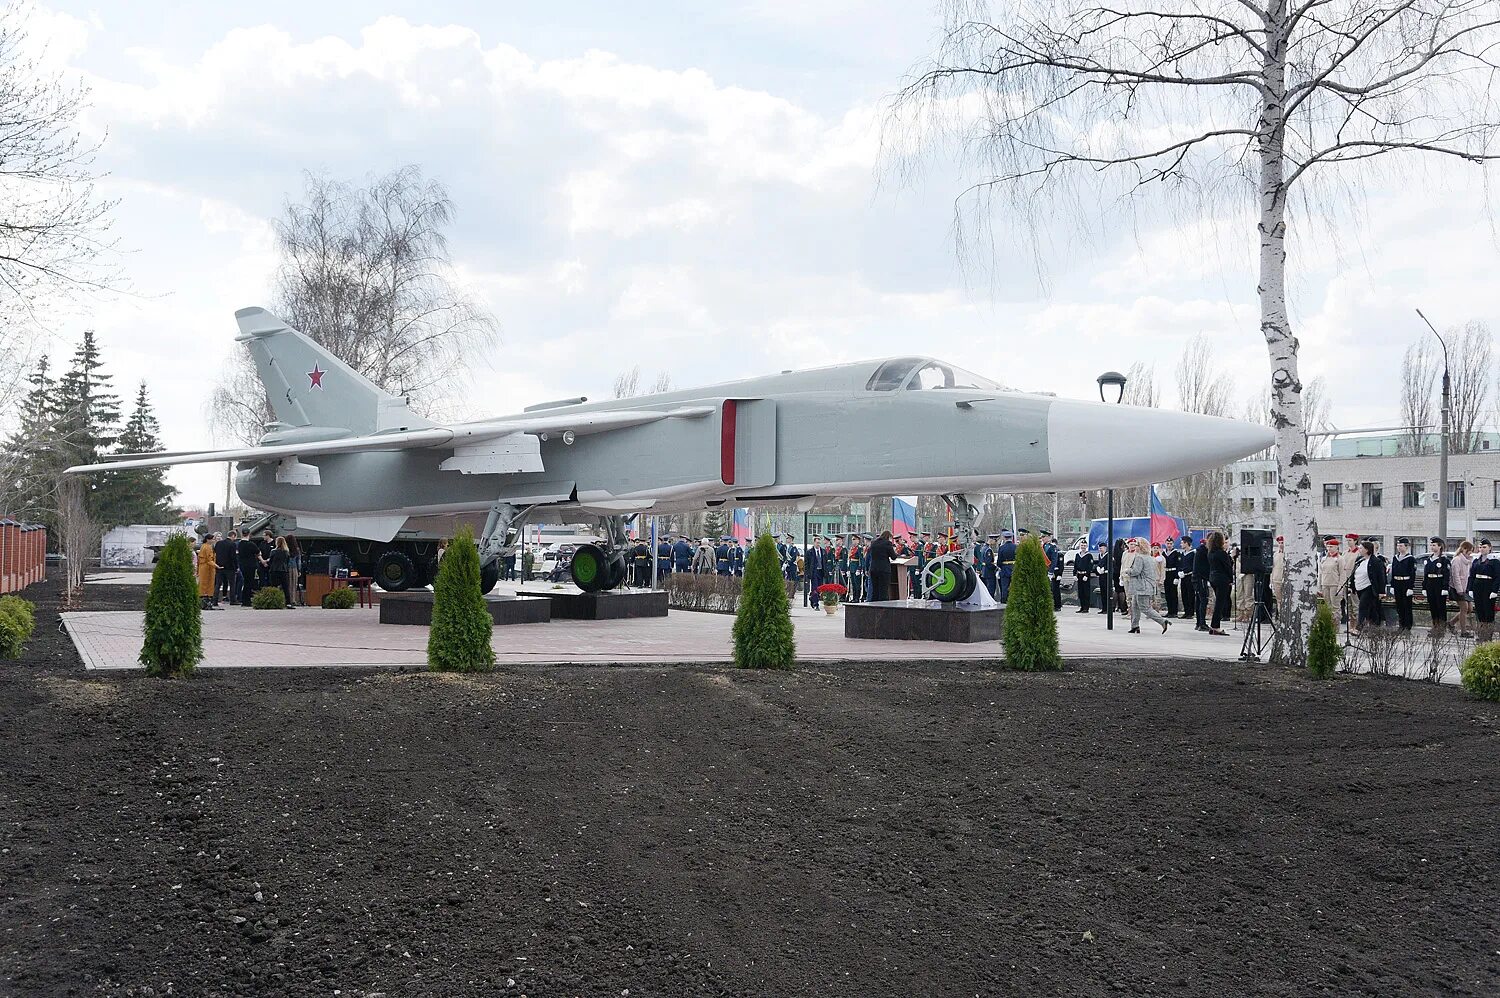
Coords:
1163,525
739,527
904,516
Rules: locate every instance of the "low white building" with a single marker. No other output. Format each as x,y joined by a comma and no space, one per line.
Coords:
135,546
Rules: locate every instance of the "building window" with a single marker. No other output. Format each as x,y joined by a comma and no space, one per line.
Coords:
1331,495
1456,495
1268,505
1371,494
1411,494
1497,493
1229,479
1268,478
1247,478
1247,505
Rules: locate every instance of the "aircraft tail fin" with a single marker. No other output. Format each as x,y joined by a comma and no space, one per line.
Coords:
308,386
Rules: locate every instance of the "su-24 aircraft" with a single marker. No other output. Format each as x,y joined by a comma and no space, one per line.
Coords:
347,458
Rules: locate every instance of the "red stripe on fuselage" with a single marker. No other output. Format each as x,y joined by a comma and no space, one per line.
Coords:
726,442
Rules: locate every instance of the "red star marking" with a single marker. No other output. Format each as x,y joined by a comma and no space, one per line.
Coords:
316,377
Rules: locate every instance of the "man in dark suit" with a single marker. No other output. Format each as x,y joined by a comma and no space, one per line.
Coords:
247,556
1201,590
225,555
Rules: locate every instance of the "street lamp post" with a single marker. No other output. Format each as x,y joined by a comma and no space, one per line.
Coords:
1116,381
1442,443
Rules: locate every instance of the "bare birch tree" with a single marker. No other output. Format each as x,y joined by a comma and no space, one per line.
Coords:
1080,103
1141,386
365,271
1472,356
1419,371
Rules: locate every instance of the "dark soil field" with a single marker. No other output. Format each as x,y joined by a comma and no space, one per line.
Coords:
1117,829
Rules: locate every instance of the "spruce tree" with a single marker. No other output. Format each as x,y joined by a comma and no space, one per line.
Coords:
141,496
1323,651
32,460
763,635
87,414
459,640
1030,636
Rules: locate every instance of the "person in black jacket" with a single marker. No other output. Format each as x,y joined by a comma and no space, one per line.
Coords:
1174,568
1482,586
1403,580
1435,576
224,579
1367,582
278,568
1203,581
881,553
247,554
1220,579
1083,573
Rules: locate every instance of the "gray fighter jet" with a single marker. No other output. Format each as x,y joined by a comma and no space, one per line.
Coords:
345,457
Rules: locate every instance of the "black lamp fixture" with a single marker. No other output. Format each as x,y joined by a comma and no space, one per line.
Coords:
1114,380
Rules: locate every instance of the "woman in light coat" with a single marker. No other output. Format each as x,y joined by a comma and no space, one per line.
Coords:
1141,585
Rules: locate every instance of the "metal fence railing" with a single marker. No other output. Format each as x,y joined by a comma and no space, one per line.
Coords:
23,554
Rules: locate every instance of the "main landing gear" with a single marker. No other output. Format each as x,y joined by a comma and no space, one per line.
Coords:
950,578
599,568
497,526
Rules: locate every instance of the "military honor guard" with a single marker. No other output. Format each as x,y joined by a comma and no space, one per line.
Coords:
663,557
1054,567
1187,579
1403,582
857,569
723,560
1005,563
1100,565
984,561
1482,587
682,554
1170,584
1083,575
1436,574
1331,576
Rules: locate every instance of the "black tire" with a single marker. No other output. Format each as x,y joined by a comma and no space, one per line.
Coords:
970,583
488,576
395,573
590,569
616,572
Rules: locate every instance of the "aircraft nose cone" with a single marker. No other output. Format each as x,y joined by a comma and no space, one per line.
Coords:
1092,445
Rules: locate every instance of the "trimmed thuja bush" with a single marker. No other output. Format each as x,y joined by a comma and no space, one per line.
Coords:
17,621
1480,672
268,598
174,616
1323,651
763,636
1030,636
461,625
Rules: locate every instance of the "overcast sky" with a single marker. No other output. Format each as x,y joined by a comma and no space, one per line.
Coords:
694,188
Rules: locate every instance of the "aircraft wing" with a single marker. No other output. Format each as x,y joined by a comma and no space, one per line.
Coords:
485,447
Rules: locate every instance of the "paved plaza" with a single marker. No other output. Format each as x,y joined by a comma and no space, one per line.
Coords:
237,637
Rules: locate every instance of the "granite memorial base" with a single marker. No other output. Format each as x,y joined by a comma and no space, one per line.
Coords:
901,621
416,608
614,605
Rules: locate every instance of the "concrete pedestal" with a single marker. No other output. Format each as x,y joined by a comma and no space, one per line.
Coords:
416,608
897,621
614,605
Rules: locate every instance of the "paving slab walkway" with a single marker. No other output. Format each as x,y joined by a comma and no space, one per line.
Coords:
237,637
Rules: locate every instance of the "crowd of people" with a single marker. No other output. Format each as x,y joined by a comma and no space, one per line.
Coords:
1190,582
231,568
1355,578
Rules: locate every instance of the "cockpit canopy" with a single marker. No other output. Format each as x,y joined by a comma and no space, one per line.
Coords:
920,373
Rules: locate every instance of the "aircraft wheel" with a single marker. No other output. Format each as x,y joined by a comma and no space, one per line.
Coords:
488,576
395,573
616,571
591,568
971,583
949,579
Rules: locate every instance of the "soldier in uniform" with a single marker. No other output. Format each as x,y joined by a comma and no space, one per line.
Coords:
1054,568
1083,575
841,563
723,562
1005,563
984,561
1173,559
1482,587
682,554
1403,580
663,558
1349,557
1101,578
1187,579
1331,577
1435,579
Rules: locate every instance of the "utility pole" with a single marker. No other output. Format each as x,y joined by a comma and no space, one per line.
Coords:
1442,525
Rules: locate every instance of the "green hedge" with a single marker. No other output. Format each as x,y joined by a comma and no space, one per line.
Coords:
1323,651
17,621
459,640
1480,672
174,616
339,599
763,636
268,598
1030,635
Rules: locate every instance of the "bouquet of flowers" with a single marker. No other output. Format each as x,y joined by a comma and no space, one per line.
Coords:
831,593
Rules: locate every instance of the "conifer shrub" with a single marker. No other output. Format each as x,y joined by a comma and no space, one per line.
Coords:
268,598
1480,672
459,640
1323,651
339,599
1030,635
174,616
17,621
763,637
